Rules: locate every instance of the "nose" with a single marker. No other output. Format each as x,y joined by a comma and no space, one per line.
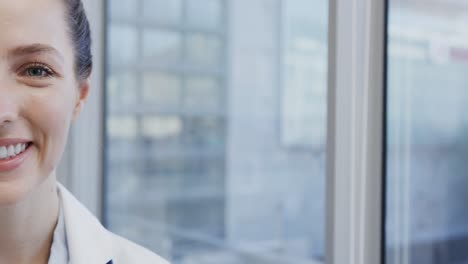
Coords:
7,115
8,109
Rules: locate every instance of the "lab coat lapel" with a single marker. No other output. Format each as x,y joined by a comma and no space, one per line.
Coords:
88,241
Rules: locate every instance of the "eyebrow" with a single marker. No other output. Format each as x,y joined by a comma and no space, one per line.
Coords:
34,49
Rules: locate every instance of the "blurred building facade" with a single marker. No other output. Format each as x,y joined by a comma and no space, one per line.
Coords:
216,128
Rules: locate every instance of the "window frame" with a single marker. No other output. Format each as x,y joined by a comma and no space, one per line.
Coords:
355,144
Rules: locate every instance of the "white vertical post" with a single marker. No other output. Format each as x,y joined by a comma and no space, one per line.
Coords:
82,164
355,131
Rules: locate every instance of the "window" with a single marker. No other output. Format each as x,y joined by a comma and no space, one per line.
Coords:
427,123
216,120
162,11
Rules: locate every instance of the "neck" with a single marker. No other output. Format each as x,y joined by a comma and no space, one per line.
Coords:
27,227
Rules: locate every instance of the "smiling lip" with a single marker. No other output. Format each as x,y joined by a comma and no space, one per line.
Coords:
13,163
12,141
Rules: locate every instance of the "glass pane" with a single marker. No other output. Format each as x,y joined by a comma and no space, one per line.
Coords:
204,50
303,105
163,90
202,94
427,147
124,127
161,127
205,13
224,148
120,89
123,9
163,11
206,134
123,44
161,45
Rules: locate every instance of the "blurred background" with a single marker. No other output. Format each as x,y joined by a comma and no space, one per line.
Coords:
427,126
215,120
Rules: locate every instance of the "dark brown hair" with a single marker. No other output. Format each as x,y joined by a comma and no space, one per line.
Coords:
81,38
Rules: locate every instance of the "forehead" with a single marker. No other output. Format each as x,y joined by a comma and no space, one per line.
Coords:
27,22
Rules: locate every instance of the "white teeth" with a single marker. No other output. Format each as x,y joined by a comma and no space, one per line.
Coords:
3,153
18,149
11,151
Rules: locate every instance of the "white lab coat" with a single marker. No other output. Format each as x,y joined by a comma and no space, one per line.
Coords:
90,243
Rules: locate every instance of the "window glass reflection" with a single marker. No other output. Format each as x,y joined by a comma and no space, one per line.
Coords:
124,127
162,11
162,90
427,124
161,45
123,44
123,9
203,94
118,91
220,143
204,50
161,127
205,14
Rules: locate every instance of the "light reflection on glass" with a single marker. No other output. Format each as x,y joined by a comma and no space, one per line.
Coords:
427,140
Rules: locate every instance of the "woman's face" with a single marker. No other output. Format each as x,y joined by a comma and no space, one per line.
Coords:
39,93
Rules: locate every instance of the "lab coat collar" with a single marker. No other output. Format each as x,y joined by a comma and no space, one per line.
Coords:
88,241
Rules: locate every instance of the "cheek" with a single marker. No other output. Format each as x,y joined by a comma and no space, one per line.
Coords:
50,112
49,115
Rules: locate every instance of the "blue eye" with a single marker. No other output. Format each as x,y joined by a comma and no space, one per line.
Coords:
38,71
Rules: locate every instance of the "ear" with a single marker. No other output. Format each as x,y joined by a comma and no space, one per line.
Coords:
83,96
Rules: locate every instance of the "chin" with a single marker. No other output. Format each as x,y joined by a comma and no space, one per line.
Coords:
14,190
12,193
23,181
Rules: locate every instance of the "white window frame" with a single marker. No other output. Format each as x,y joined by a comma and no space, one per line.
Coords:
355,131
355,144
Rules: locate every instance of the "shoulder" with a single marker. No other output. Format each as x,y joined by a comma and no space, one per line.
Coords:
126,251
88,239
